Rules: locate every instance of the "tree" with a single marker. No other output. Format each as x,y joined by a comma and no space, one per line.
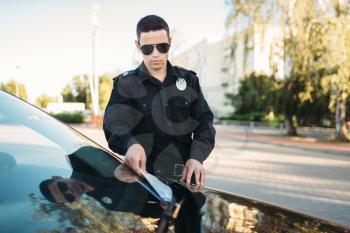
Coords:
67,93
338,37
105,89
43,100
10,87
79,91
315,50
81,88
255,94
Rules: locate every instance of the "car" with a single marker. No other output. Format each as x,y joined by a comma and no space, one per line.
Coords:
54,179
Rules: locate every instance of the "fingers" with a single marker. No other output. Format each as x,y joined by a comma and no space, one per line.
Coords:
189,174
135,164
194,188
193,166
202,180
143,162
135,158
184,174
197,173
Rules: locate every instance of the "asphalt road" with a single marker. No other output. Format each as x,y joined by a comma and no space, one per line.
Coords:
306,180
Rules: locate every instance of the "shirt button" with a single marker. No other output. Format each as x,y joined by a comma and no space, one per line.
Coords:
144,105
166,105
169,124
186,103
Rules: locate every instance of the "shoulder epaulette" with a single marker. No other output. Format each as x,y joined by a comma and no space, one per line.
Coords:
125,74
183,69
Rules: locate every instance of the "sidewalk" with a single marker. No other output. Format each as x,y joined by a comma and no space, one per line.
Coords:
340,148
302,174
272,137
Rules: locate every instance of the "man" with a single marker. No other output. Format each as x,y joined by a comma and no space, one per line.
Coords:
102,177
157,115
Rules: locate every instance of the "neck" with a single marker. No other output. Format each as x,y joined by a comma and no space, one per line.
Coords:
158,74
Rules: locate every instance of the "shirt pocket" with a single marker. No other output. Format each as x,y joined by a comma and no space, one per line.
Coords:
179,109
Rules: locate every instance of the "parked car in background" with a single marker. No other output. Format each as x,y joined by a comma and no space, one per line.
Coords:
54,179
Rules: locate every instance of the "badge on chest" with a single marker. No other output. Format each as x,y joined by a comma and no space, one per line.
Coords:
181,84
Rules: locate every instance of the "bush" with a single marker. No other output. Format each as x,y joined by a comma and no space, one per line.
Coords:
273,120
68,117
256,94
253,116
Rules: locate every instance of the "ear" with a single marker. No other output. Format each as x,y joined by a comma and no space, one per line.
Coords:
170,40
137,44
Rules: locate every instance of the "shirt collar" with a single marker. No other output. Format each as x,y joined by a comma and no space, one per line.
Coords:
144,75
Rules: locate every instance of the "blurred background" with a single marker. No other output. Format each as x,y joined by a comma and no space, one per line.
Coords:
59,52
280,63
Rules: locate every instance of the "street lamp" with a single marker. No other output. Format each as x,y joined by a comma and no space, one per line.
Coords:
16,80
93,80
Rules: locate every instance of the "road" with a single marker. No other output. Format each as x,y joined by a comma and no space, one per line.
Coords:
308,180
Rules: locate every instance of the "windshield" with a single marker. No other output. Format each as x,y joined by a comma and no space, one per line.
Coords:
48,170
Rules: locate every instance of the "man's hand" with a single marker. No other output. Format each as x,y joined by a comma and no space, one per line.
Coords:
136,158
194,188
193,166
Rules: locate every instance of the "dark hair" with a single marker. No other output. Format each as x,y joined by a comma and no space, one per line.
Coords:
151,23
45,191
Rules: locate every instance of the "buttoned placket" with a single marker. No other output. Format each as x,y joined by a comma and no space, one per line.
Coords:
163,101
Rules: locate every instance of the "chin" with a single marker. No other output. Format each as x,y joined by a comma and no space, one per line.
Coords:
157,66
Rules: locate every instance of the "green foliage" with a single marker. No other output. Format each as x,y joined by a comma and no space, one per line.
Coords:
105,89
67,94
252,116
256,94
43,100
79,91
259,97
273,120
316,53
76,117
10,87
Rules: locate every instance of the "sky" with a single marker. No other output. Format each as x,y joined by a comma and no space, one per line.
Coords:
43,44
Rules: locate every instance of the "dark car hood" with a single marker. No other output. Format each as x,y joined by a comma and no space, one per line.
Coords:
34,147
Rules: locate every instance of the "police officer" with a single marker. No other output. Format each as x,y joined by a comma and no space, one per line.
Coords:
102,177
157,115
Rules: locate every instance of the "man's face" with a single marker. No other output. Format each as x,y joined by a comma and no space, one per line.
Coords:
66,190
156,60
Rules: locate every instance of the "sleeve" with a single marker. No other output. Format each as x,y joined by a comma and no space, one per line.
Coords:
120,118
204,134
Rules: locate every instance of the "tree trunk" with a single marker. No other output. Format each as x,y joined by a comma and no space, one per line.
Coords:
341,132
291,130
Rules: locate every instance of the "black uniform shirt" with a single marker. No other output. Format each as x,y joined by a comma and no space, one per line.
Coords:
170,119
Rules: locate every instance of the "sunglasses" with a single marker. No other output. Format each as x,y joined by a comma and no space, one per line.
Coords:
63,187
147,49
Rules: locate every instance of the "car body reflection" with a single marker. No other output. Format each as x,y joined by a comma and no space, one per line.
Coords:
115,187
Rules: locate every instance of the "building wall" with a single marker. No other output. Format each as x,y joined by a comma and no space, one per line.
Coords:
208,61
219,72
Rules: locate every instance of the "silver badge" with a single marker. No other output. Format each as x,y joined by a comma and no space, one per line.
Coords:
107,200
181,84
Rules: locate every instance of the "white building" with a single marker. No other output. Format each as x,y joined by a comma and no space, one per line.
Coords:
221,65
65,107
208,61
260,51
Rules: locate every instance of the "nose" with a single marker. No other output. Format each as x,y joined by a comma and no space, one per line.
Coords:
155,52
